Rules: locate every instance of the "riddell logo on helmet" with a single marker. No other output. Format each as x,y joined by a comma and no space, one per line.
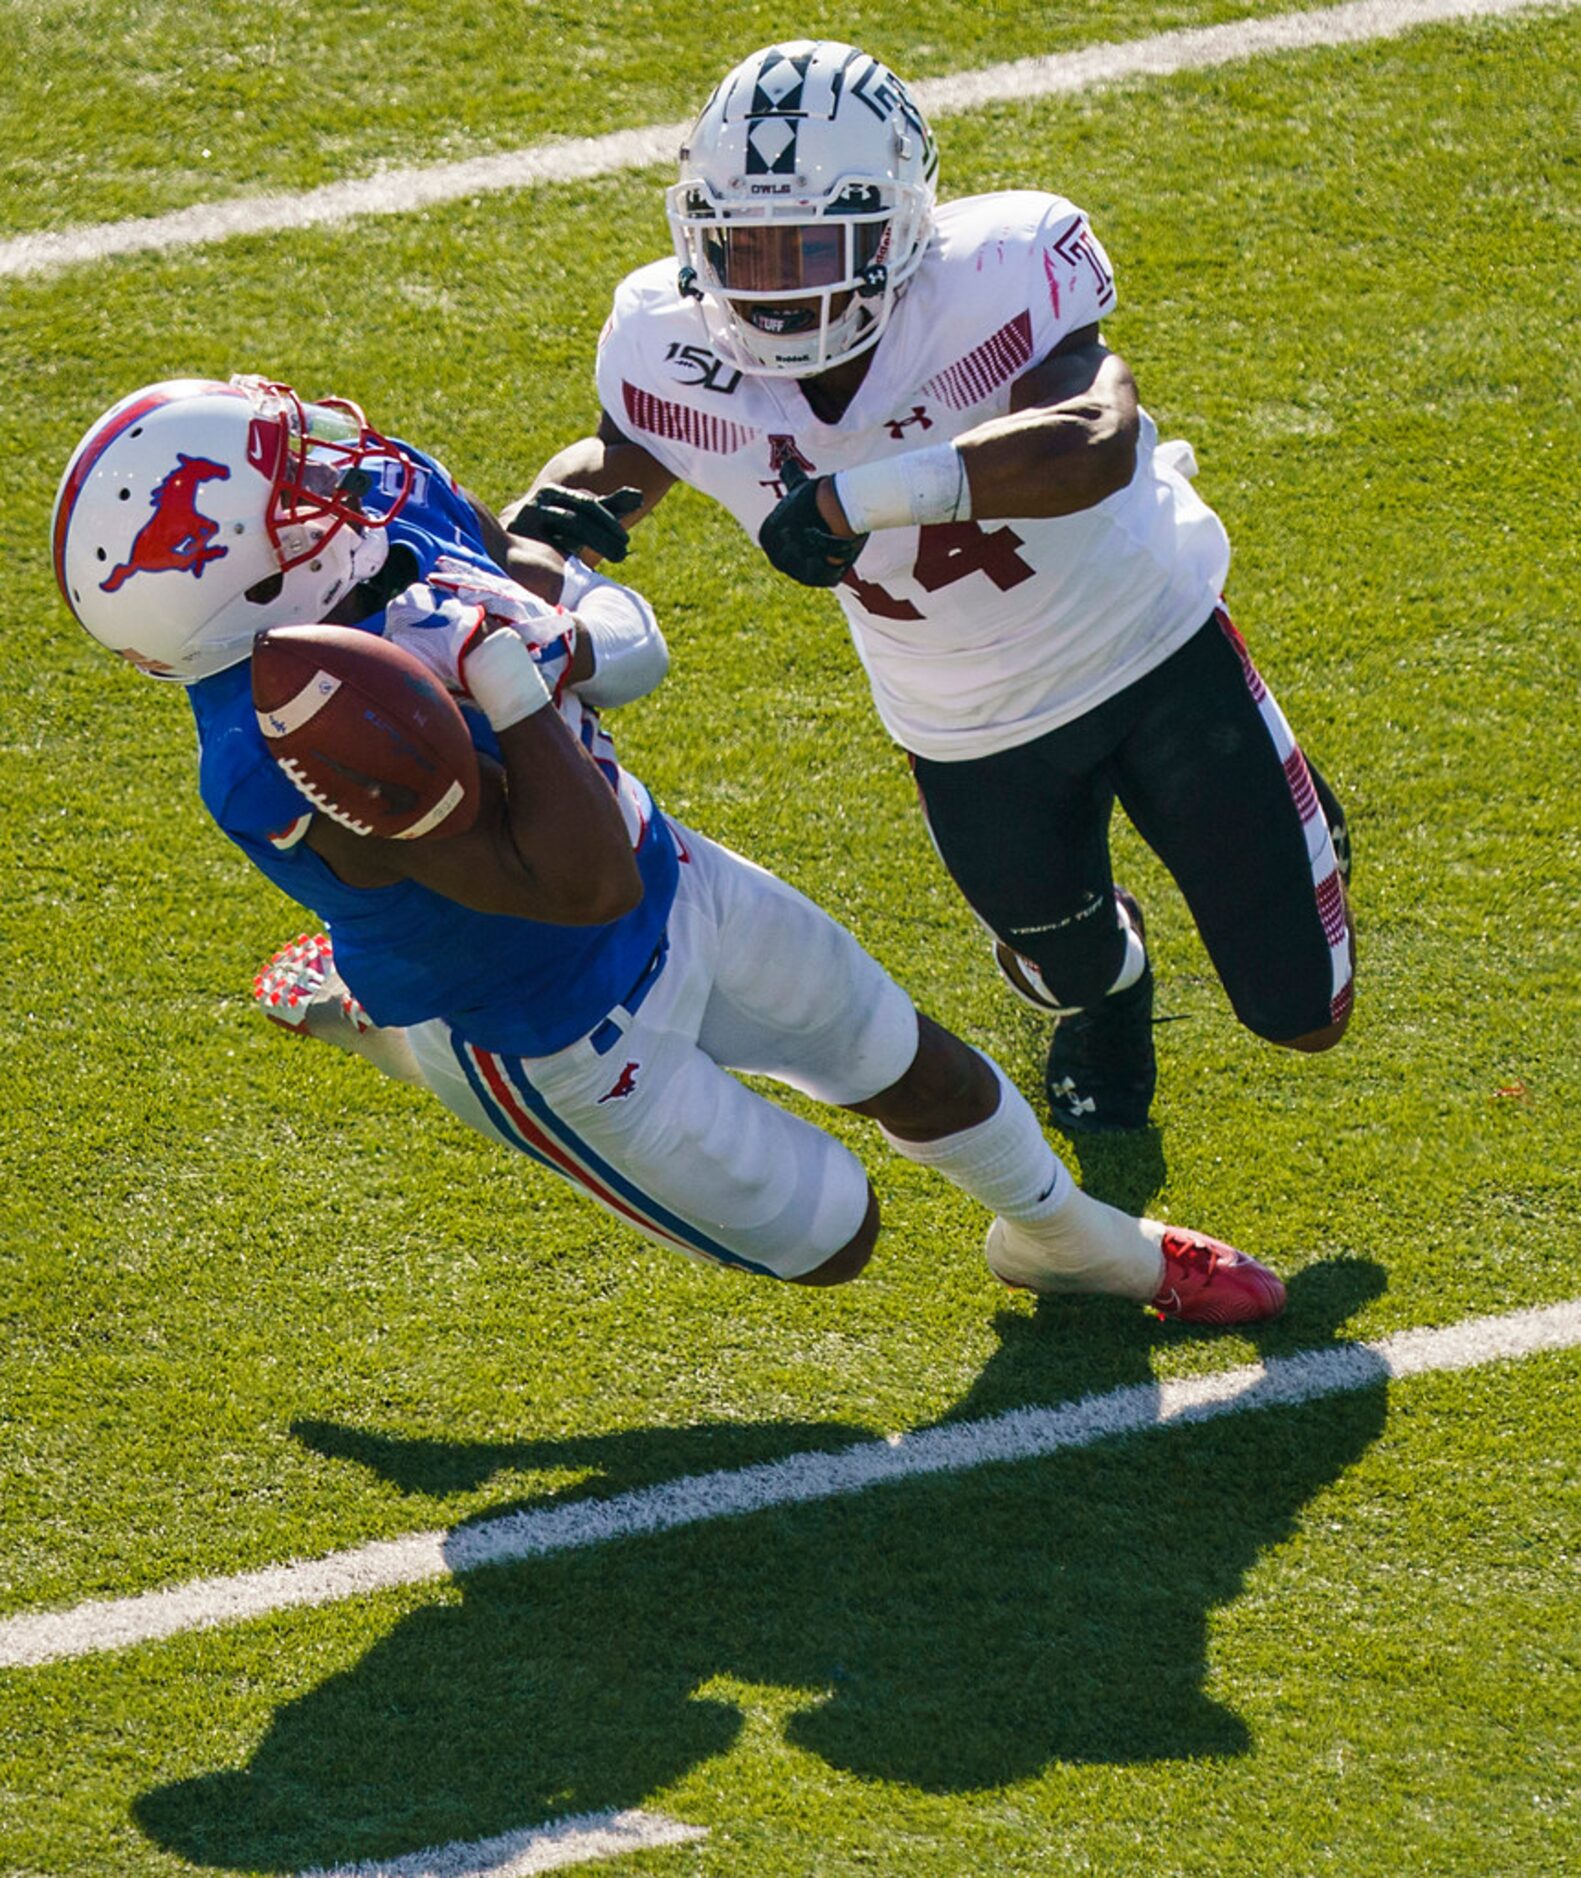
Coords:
176,538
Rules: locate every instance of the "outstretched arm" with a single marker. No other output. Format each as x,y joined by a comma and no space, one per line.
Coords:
605,462
1067,443
561,509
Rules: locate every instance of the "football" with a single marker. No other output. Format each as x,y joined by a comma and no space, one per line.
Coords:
369,736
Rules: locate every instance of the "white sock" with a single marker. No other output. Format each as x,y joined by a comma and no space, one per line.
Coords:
387,1049
1084,1246
1004,1162
389,1052
1051,1236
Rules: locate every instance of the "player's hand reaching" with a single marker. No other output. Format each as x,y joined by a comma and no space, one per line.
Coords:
438,630
575,521
797,539
441,630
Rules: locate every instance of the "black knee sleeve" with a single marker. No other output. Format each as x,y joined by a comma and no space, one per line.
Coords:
1080,959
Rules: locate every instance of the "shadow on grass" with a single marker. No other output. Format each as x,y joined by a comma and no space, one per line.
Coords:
952,1633
1126,1169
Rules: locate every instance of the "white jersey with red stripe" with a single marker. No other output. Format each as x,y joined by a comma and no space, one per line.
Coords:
975,637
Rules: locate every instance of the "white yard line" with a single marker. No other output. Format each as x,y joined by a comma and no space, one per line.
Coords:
397,192
1024,1434
533,1849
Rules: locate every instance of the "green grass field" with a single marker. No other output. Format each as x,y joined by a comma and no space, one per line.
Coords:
261,1305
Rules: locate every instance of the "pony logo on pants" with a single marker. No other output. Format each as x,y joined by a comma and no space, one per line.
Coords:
176,538
625,1085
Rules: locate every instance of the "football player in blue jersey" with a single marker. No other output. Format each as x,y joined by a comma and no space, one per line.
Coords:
578,974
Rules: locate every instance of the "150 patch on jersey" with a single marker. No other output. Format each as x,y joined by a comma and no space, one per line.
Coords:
700,368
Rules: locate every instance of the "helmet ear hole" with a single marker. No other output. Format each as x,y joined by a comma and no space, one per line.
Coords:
266,591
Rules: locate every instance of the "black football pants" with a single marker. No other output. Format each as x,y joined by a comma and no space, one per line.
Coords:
1189,755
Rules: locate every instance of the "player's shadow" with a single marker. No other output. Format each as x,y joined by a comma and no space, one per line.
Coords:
952,1632
1125,1168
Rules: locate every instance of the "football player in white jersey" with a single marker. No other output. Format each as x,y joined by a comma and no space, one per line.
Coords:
913,404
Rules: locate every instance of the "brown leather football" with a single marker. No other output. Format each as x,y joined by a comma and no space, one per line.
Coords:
365,731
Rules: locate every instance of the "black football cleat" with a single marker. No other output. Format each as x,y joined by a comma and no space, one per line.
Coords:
1101,1067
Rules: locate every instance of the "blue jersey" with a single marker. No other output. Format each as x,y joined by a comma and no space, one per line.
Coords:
519,987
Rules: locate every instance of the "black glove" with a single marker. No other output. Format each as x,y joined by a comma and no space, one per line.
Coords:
795,540
569,520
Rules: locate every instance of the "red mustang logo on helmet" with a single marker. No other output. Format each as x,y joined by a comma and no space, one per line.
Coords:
175,539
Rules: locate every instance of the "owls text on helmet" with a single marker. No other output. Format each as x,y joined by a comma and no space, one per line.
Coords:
805,202
197,512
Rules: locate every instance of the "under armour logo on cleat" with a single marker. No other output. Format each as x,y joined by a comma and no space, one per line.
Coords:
1078,1105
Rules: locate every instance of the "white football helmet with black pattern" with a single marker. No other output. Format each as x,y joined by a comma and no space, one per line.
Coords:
197,512
804,204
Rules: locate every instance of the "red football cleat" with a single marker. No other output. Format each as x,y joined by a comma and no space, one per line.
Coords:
301,991
1208,1282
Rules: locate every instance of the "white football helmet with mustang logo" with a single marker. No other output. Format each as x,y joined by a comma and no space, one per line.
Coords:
197,512
805,202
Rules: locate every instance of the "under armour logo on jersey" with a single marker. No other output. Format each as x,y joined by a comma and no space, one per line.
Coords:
771,147
625,1084
896,426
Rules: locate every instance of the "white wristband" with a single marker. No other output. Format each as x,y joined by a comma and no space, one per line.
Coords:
504,678
921,486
